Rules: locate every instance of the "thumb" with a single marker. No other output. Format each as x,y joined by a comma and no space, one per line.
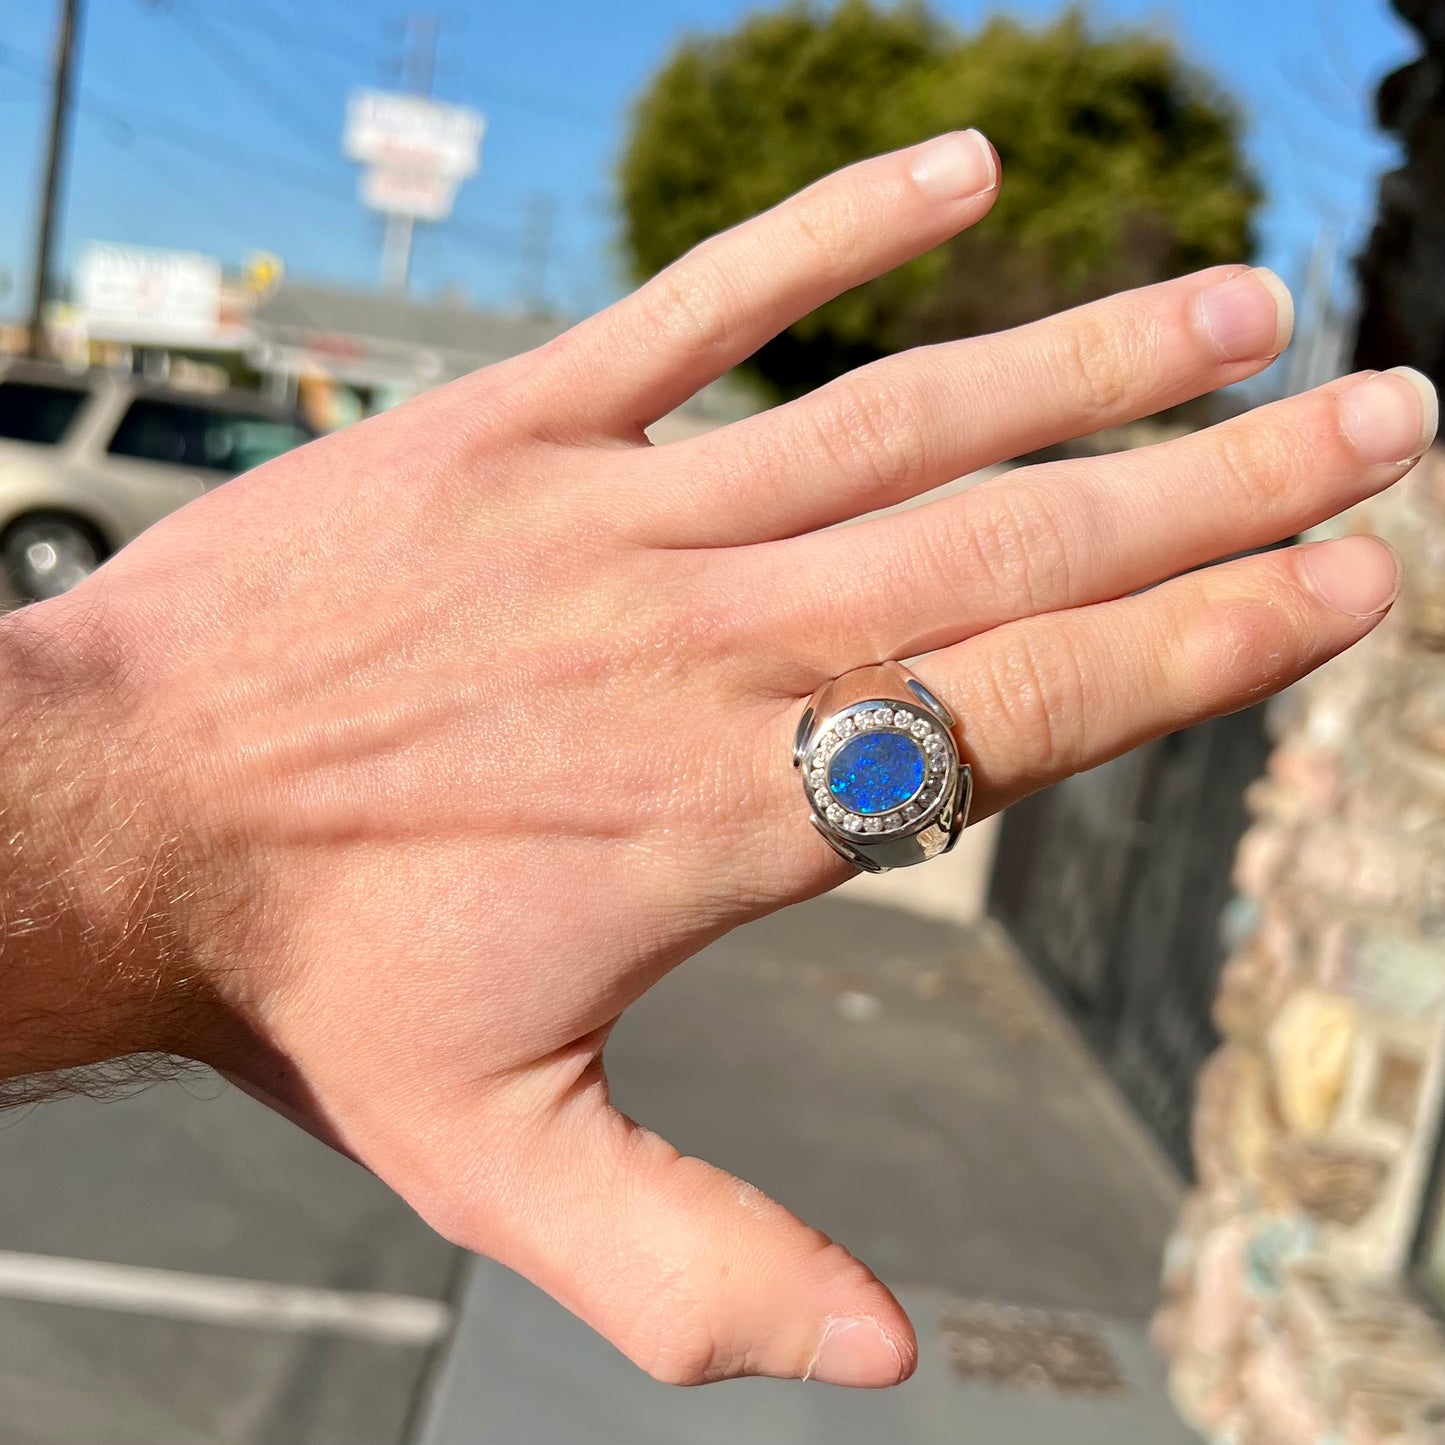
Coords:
691,1273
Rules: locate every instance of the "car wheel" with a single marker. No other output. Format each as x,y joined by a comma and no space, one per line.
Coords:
45,554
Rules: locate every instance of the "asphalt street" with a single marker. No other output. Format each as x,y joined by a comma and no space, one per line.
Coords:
897,1081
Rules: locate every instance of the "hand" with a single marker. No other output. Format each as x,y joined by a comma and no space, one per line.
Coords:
429,748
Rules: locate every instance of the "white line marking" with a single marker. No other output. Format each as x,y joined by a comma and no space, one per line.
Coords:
214,1299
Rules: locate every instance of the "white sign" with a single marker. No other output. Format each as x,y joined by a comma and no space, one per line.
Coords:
126,293
409,132
423,196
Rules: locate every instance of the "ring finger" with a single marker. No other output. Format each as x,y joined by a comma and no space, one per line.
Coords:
1044,698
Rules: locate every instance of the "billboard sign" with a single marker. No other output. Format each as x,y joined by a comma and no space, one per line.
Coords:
132,293
398,132
421,195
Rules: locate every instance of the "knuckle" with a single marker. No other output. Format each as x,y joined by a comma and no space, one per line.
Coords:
1103,362
822,226
1318,434
1015,543
697,629
1039,689
507,399
1262,458
661,623
661,1312
873,431
672,1340
689,302
1237,649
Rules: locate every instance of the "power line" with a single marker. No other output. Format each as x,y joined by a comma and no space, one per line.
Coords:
340,24
219,148
543,102
133,128
260,19
209,145
478,234
278,101
122,137
271,26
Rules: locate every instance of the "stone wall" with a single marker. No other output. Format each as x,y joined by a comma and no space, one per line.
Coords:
1289,1318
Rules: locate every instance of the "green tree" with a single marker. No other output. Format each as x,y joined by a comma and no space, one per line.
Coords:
1123,163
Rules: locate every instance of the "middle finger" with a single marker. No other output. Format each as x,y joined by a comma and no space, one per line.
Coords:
911,422
1073,533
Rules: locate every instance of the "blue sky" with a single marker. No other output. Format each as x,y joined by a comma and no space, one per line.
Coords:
214,124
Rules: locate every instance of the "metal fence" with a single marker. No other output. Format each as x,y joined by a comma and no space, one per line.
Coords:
1114,884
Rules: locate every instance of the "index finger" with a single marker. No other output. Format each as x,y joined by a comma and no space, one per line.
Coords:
732,293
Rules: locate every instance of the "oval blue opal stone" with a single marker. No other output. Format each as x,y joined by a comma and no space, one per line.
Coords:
876,772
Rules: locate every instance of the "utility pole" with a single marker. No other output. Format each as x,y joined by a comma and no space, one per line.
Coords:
418,70
419,66
62,82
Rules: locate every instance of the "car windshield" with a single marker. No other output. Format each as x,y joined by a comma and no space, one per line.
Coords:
194,435
32,411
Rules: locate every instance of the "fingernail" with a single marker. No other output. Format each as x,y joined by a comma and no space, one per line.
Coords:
1390,417
1359,576
857,1353
954,167
1247,317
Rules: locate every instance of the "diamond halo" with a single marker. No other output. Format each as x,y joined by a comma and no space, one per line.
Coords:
912,814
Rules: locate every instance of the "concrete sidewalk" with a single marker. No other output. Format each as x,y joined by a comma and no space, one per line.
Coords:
906,1087
203,1195
524,1372
897,1080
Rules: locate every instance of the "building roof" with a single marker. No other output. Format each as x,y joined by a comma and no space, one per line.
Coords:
297,308
379,339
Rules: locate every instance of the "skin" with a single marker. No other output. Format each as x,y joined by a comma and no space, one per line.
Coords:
385,777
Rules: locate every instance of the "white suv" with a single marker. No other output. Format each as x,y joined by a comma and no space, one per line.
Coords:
90,459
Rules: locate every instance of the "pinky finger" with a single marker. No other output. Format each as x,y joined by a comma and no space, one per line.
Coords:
1046,697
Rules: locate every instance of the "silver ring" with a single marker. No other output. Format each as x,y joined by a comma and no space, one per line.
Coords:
881,770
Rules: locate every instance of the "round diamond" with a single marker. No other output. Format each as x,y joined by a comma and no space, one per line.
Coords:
822,799
909,812
933,742
825,741
902,719
937,763
920,729
835,813
872,825
853,822
818,778
843,727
